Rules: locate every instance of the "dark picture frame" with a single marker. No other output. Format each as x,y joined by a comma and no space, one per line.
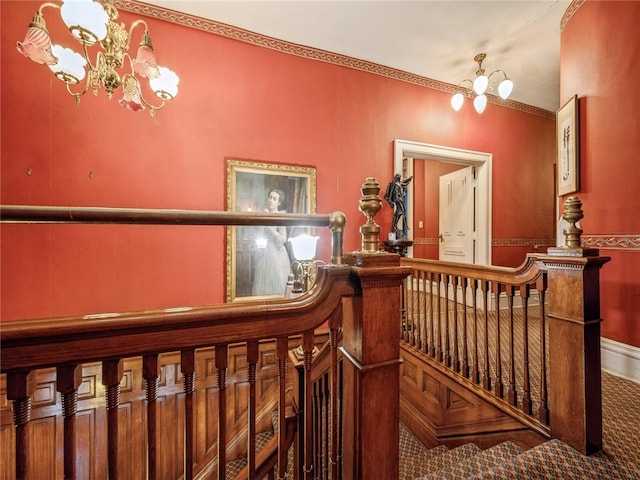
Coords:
248,185
568,147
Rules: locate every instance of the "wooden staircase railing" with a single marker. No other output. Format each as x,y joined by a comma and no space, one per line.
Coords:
125,368
360,300
526,340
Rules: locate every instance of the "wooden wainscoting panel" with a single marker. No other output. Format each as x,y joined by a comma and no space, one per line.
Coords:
44,431
90,462
439,410
91,417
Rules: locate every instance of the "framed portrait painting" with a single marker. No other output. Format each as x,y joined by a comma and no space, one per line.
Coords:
568,142
259,258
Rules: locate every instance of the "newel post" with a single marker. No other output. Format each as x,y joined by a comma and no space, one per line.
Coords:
371,349
575,389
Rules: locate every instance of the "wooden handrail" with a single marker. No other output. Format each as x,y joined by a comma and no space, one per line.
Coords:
39,343
530,269
145,216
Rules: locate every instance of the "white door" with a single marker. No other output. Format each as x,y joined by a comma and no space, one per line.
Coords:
457,206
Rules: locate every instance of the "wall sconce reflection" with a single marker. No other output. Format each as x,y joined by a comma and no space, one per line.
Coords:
304,266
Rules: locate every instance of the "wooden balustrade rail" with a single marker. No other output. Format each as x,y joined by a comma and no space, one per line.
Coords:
525,339
67,343
475,322
104,215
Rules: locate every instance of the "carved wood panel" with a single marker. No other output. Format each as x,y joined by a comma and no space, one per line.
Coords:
91,442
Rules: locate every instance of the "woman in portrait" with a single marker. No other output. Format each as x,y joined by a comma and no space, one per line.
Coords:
272,265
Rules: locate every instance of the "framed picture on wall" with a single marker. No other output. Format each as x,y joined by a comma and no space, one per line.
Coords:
259,258
568,142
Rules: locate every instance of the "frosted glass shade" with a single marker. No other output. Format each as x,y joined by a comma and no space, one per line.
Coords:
480,84
480,103
86,20
456,101
304,247
166,85
505,88
70,65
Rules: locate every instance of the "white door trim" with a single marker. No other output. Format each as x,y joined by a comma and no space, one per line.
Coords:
483,163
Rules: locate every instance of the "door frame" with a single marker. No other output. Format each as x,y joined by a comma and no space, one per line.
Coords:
482,161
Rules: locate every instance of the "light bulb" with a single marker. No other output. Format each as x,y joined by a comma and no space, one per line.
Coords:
480,84
505,88
456,101
480,103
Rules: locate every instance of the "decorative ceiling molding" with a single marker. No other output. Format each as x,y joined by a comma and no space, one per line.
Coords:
264,41
570,11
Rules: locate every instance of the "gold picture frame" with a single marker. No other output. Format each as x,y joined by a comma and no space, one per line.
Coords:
568,147
249,183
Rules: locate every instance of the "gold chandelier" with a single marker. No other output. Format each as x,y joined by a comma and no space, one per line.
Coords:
478,87
93,23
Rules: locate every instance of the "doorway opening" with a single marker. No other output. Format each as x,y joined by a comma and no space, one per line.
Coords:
406,153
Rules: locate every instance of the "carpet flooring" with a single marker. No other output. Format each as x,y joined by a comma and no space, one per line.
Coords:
619,459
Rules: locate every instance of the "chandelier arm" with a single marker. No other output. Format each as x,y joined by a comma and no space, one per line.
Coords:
132,27
77,95
48,4
152,108
497,71
87,57
469,88
126,56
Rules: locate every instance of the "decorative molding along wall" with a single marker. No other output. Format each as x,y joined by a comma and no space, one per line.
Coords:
289,48
626,242
620,359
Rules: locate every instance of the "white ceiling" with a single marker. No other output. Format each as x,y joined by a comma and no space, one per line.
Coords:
434,39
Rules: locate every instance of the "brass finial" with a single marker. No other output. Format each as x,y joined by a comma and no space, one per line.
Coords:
572,214
370,205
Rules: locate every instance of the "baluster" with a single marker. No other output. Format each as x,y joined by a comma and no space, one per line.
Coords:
512,391
307,345
150,375
439,323
415,307
486,378
498,387
317,431
475,372
334,325
405,311
466,371
432,336
325,426
526,398
111,377
20,387
425,308
417,301
68,379
282,348
188,369
252,360
456,353
447,335
221,374
543,410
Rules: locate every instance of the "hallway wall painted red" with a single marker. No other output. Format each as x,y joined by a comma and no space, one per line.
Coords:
600,63
236,100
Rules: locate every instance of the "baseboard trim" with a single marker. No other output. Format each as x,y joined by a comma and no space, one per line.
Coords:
620,359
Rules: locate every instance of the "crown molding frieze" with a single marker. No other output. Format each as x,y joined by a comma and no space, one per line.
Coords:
264,41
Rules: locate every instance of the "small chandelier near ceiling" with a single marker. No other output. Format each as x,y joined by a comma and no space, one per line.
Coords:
94,23
478,87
